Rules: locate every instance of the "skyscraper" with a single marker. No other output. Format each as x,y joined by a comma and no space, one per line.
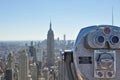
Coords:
33,71
32,52
64,39
10,67
10,64
50,47
23,66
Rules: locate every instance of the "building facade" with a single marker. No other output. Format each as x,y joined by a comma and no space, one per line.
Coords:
50,47
23,66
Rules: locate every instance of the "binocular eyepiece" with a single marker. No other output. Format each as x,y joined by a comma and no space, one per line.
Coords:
112,40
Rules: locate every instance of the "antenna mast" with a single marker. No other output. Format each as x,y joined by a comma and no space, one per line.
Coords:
112,16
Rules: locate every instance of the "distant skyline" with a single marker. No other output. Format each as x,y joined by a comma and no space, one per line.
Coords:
30,19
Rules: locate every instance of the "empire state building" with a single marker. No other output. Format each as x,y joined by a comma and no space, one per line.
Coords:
50,47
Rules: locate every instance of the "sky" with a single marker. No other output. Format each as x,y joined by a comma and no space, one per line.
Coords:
30,19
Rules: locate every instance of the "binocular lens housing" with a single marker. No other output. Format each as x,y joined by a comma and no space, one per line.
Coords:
114,39
100,39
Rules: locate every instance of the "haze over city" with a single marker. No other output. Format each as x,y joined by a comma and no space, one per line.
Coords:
30,19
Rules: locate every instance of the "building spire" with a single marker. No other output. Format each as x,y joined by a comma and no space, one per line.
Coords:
50,25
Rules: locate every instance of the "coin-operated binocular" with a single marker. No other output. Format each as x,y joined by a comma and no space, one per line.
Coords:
96,54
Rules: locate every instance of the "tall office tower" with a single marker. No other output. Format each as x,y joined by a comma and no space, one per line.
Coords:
33,70
32,52
50,47
23,65
9,75
64,37
10,61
